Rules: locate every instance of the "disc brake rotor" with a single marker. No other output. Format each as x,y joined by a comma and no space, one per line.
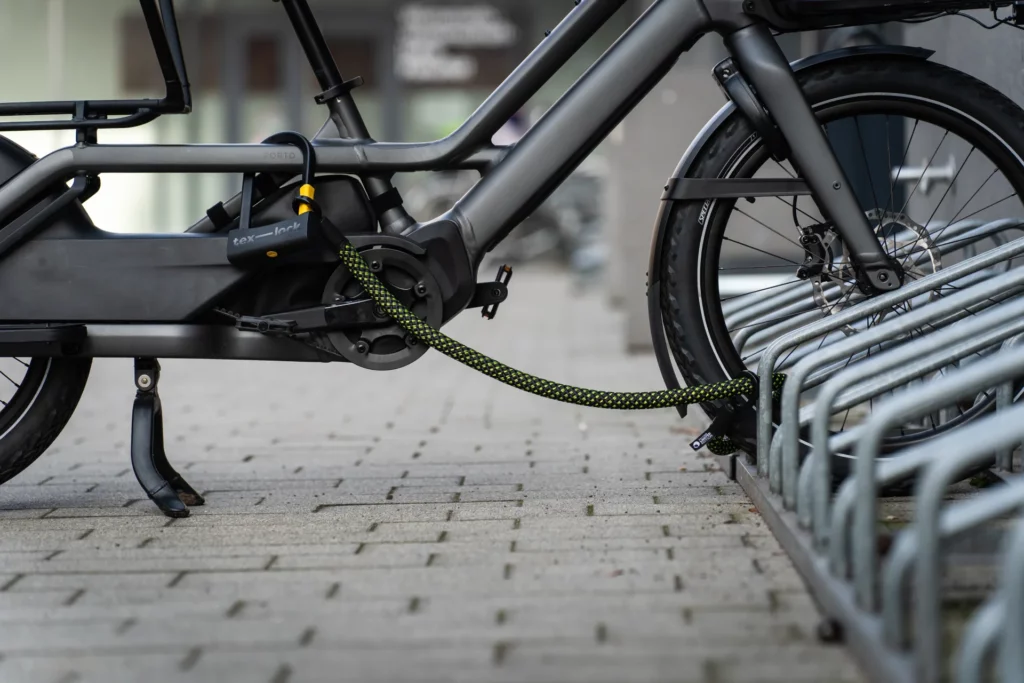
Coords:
834,283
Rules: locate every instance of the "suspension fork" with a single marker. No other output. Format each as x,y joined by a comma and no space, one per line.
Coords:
762,63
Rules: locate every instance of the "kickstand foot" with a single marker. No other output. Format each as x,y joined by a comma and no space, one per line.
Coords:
164,486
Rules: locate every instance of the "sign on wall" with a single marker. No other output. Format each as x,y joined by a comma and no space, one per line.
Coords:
456,44
472,45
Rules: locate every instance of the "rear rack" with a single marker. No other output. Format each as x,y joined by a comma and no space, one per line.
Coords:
90,115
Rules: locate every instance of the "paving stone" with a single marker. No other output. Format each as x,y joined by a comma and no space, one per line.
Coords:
73,606
427,525
93,669
76,564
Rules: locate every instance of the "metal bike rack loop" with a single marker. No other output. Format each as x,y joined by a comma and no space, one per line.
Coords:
958,342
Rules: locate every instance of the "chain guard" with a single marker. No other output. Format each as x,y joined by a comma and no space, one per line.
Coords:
386,346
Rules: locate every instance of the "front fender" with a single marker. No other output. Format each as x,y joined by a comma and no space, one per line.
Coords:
683,170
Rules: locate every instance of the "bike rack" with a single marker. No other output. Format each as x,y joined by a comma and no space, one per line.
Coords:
883,590
994,634
90,115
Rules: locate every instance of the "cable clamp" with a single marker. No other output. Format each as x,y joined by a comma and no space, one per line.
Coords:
339,90
755,390
719,427
723,423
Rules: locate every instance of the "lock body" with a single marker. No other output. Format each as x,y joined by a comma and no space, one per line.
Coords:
250,245
258,245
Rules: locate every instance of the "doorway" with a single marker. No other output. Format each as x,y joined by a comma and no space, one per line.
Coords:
269,86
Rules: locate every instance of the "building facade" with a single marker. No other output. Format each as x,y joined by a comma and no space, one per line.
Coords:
427,64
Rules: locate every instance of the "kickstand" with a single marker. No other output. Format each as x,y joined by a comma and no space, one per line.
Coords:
159,480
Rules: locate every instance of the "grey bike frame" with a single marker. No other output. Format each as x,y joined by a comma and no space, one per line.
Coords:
516,180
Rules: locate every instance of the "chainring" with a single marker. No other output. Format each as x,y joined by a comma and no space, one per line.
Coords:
386,346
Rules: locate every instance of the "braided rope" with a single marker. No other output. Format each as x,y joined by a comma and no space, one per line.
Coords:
614,400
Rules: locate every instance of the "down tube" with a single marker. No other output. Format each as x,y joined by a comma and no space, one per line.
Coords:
578,121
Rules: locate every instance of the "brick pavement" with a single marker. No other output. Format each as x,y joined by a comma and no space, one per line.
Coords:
427,525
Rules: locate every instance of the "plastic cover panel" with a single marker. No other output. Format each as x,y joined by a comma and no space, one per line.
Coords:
883,8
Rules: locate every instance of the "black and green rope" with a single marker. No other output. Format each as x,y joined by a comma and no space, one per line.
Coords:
616,400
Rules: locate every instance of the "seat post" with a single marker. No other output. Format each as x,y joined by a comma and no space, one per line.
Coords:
313,43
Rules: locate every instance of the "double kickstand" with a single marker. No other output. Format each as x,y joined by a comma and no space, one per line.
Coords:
161,482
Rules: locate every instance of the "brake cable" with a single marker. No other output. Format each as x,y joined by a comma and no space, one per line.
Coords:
614,400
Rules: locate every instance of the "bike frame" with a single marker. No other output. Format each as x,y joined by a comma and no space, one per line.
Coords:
515,180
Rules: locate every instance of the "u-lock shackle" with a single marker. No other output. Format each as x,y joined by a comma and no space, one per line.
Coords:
305,200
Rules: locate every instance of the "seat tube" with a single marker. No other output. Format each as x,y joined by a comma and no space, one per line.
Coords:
761,61
342,107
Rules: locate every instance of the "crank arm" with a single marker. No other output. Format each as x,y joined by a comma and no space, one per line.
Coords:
351,314
347,315
342,316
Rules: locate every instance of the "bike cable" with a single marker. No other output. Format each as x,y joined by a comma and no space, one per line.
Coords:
614,400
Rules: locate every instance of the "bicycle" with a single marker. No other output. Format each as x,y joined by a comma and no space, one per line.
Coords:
259,276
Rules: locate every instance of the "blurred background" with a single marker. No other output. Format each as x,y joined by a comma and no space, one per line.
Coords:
427,66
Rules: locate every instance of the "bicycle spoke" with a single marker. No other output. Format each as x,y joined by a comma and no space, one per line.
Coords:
794,203
785,267
8,378
844,298
936,209
825,315
847,417
782,362
864,156
846,365
766,323
903,163
989,206
960,240
785,170
767,227
971,198
924,172
949,187
766,253
758,291
892,186
798,209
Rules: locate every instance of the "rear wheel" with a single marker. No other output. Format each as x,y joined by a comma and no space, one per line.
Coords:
932,154
37,398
